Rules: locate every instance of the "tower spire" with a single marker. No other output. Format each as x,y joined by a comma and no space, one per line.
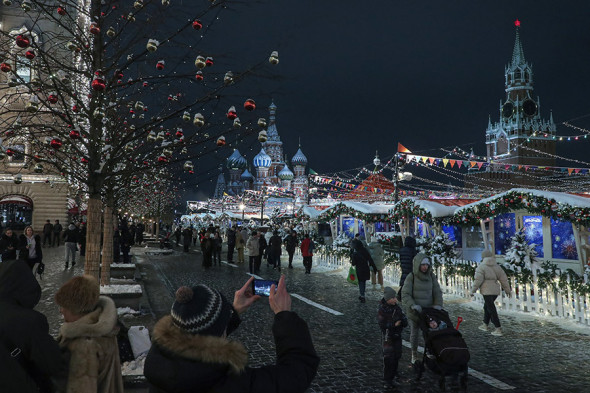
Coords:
517,52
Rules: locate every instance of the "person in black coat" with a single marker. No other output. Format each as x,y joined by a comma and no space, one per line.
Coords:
291,244
392,321
361,259
139,229
187,237
116,245
231,244
207,245
57,228
217,245
274,253
125,241
8,245
25,334
82,239
262,246
29,246
191,353
47,232
406,258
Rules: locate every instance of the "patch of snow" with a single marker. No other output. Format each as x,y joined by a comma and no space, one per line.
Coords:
134,367
126,310
112,289
123,265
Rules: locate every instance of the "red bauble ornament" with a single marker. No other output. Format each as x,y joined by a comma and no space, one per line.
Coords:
231,113
162,159
249,104
22,41
30,54
199,76
197,25
75,108
179,134
74,134
209,61
94,29
118,74
9,152
98,84
52,98
9,133
160,65
61,11
221,141
5,67
84,160
55,143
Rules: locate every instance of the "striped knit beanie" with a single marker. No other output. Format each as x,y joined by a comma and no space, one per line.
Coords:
201,310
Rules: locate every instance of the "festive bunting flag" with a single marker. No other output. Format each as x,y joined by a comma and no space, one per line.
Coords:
424,159
479,164
452,163
431,159
570,170
459,163
402,149
445,162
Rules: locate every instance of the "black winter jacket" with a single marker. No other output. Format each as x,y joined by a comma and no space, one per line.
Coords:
23,252
26,329
387,316
406,258
72,234
8,247
291,243
182,362
361,259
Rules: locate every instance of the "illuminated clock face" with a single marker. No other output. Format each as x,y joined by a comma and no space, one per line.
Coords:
508,110
529,107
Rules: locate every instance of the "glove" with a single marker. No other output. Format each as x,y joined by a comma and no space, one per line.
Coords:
437,307
417,308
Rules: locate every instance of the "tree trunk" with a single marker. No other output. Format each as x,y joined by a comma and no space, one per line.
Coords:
92,263
107,246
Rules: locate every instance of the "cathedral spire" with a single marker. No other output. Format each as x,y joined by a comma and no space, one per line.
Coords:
517,52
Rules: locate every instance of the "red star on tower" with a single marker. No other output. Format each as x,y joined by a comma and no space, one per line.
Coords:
517,23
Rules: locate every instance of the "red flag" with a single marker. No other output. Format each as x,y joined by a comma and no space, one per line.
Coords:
402,149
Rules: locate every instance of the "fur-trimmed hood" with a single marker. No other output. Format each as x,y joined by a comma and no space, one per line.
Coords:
206,349
98,323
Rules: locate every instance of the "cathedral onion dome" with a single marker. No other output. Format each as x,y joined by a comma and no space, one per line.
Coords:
236,161
286,174
299,158
262,160
247,176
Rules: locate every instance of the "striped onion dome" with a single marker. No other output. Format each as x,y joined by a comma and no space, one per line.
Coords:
262,160
299,158
236,161
286,174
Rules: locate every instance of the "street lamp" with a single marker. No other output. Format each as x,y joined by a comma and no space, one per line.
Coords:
398,176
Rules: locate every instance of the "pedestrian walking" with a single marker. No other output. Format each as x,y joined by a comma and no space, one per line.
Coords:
57,228
82,239
29,356
392,321
116,244
125,241
307,248
490,279
421,289
218,244
406,258
262,248
47,233
253,246
191,352
231,244
291,243
8,245
139,229
361,260
274,253
376,251
89,334
71,238
132,231
207,249
240,244
187,235
30,249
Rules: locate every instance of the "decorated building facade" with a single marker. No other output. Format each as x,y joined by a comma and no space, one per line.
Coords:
270,165
521,136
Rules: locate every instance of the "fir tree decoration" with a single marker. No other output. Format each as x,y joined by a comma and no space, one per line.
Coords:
441,249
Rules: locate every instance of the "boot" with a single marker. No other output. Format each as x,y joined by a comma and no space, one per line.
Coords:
497,332
67,264
73,264
290,266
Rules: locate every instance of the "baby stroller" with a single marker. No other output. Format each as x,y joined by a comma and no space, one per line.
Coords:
445,351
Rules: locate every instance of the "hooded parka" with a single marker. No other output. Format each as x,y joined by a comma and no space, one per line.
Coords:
180,362
487,275
421,289
27,330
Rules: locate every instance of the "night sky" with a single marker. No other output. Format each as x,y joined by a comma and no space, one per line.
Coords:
361,76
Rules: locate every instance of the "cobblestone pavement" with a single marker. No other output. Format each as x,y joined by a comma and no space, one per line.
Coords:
534,355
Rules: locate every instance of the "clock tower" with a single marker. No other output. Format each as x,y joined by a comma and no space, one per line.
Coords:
522,136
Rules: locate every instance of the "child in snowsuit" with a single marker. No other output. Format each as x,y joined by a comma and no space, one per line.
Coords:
391,320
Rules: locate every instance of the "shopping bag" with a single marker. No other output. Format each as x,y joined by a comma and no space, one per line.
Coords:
352,278
139,338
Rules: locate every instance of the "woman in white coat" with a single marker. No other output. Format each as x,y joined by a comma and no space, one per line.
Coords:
488,278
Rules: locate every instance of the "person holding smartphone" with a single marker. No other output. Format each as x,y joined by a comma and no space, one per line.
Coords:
190,350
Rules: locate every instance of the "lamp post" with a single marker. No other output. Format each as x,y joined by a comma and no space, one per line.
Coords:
398,176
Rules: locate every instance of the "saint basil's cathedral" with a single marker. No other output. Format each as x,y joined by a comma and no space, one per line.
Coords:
270,165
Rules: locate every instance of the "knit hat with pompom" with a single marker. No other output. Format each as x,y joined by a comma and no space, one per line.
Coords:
201,310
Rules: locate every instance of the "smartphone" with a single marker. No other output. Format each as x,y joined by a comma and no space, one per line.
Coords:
262,287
